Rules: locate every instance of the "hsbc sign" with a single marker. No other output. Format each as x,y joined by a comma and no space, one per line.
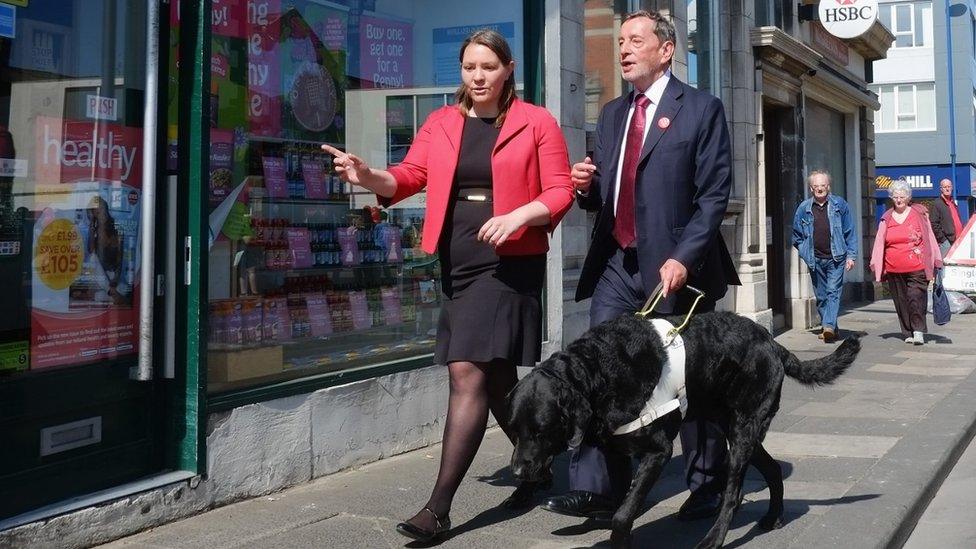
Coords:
848,18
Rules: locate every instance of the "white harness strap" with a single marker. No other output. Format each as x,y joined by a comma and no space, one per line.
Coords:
669,394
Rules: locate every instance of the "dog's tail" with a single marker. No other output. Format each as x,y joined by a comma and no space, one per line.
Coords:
825,370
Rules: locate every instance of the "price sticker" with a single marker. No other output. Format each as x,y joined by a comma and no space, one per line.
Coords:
59,255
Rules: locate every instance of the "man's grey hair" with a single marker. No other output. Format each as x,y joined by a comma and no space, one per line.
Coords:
900,185
824,173
663,27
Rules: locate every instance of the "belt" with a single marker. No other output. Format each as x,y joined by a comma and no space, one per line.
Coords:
474,195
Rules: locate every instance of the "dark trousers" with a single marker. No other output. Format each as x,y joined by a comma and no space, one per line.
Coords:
604,471
909,291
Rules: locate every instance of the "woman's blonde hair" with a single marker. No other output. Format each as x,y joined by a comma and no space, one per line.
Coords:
499,46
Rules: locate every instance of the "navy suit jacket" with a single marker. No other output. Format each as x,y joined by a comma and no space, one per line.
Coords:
684,178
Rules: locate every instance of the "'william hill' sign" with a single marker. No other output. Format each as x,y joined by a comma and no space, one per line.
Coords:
848,18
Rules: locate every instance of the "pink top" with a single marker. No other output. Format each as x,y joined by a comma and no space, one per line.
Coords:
903,241
929,247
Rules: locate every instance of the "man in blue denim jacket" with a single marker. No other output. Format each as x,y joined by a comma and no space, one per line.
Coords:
823,233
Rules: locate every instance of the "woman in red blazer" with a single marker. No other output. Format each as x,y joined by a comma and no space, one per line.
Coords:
496,170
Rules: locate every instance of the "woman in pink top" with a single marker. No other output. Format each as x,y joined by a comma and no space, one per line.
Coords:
905,255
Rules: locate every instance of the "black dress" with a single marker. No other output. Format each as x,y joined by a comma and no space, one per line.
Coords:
491,305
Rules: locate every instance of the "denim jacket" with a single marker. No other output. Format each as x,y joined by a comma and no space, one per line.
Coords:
843,237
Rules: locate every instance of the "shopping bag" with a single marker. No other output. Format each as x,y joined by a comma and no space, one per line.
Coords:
941,313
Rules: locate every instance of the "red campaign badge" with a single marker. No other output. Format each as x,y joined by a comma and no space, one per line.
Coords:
663,122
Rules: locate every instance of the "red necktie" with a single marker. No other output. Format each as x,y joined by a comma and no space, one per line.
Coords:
624,228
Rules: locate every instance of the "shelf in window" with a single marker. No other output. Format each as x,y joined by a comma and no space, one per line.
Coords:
267,139
305,201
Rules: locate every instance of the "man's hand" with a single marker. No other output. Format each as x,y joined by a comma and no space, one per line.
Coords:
674,275
582,174
849,265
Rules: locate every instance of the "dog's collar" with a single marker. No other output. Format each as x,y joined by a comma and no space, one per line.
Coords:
669,393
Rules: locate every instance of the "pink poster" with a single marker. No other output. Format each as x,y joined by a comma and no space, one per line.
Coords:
386,50
274,176
85,253
314,179
299,247
221,164
228,18
361,319
263,68
392,244
319,316
275,321
390,298
72,150
348,246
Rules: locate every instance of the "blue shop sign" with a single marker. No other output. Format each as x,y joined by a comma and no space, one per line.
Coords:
8,21
924,180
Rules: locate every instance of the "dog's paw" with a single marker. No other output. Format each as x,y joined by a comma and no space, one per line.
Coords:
770,523
620,540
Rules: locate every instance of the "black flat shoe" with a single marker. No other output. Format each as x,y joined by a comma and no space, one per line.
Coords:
524,494
425,536
581,504
699,506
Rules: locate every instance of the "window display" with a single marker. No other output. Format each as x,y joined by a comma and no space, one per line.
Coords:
307,274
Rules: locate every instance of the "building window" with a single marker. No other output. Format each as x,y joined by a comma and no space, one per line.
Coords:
307,275
905,107
910,22
774,13
703,40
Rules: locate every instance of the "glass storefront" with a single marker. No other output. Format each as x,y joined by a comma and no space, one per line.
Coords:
72,103
306,274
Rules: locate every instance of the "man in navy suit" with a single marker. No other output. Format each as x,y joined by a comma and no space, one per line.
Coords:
660,179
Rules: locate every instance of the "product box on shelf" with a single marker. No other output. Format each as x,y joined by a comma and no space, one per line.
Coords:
235,365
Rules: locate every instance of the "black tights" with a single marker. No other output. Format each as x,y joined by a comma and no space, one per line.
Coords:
475,388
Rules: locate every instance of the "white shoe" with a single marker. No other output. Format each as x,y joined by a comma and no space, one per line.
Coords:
919,338
910,340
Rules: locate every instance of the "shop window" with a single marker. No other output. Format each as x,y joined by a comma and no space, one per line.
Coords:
601,28
906,107
910,22
307,275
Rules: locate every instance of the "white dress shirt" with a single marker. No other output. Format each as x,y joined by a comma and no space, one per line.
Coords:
653,93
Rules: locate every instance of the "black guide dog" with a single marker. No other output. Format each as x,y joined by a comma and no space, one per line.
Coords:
733,375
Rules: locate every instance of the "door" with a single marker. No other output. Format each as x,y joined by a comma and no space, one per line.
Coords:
72,101
781,146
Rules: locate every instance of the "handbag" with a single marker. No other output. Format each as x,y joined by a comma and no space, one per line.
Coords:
941,313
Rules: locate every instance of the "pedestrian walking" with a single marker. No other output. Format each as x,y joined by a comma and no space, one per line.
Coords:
496,170
659,180
946,224
824,235
905,255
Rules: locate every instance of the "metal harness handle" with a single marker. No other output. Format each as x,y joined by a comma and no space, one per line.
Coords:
656,296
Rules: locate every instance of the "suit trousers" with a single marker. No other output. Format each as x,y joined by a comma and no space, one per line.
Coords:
603,471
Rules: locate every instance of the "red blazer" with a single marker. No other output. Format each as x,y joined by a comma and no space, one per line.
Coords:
529,162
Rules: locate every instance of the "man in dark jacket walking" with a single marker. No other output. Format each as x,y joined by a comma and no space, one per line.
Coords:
945,217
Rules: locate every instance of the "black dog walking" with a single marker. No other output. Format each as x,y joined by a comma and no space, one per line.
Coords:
734,374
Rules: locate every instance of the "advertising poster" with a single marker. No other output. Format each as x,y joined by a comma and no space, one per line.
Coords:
263,68
312,76
386,53
447,43
85,257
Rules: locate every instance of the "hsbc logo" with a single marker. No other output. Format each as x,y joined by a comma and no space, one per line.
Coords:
848,18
